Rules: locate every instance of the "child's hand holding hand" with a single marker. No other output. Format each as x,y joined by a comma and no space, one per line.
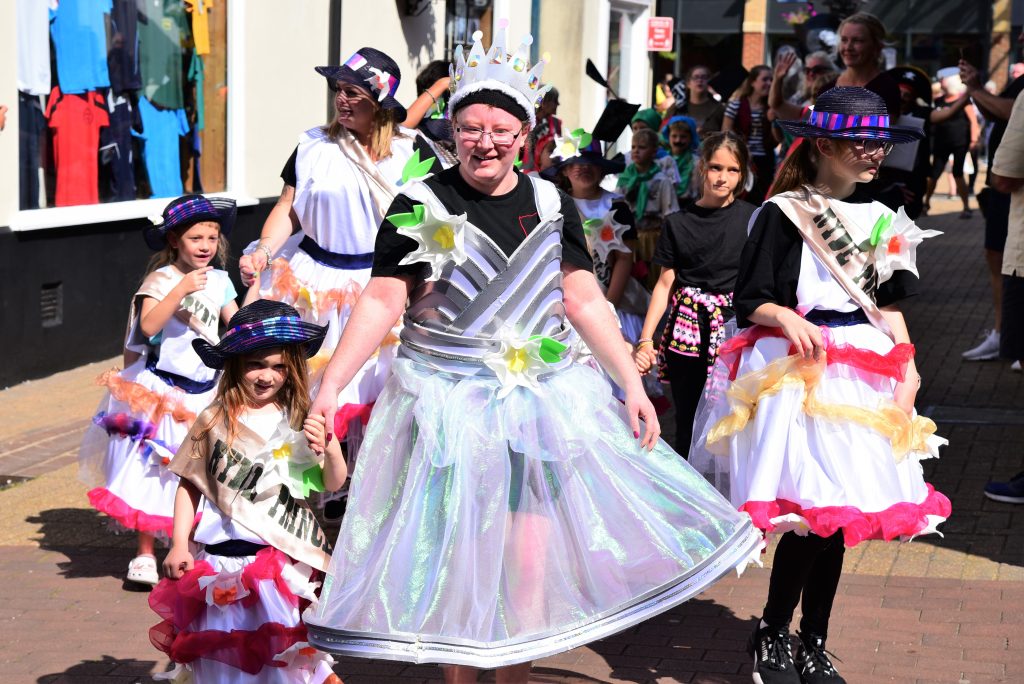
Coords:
178,561
195,280
315,429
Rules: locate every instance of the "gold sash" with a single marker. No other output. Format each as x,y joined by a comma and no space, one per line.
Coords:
840,244
197,310
243,481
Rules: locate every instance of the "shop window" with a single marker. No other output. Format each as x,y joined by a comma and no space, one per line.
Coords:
121,100
462,19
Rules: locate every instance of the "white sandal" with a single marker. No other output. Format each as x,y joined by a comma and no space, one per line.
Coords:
142,570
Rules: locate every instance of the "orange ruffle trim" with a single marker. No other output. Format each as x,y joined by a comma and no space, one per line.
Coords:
144,401
286,287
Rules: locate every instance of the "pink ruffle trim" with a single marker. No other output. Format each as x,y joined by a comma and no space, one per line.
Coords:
899,520
105,501
179,602
349,412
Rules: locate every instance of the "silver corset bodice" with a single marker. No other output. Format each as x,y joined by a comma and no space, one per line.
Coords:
452,322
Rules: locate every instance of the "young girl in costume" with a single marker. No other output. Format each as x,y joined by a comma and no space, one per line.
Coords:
151,403
649,190
699,254
231,611
680,133
505,507
808,423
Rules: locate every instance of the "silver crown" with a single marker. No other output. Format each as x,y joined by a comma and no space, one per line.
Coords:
501,66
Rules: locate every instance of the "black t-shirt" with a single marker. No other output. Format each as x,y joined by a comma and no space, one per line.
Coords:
507,219
954,132
770,266
290,177
703,245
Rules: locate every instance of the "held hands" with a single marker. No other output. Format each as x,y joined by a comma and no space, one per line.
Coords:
251,265
315,429
178,561
194,281
323,409
645,358
804,336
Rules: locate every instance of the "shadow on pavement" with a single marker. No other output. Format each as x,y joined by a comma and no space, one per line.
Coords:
82,535
108,668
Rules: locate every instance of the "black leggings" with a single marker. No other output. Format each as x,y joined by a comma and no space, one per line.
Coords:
687,375
810,566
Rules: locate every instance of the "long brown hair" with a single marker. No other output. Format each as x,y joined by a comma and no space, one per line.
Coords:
168,255
747,87
731,142
234,394
383,131
799,169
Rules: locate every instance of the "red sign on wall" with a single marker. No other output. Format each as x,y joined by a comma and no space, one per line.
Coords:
659,34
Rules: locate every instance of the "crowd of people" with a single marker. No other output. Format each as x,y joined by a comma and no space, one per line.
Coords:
460,323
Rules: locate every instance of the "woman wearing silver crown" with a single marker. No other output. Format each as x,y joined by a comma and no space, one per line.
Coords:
505,507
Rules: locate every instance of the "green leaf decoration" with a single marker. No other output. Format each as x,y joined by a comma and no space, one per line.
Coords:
881,225
311,479
582,135
590,224
409,220
416,168
518,163
550,350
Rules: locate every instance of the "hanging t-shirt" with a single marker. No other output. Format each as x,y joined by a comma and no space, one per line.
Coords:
76,121
200,11
80,41
116,149
196,74
163,32
162,129
33,44
123,58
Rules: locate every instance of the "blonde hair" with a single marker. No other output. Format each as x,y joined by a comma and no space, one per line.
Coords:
383,130
651,136
874,26
168,255
731,142
234,394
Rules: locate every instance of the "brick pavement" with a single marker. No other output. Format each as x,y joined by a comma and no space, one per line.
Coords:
937,610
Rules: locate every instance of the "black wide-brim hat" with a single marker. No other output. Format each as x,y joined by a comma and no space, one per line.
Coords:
189,210
264,324
373,71
914,77
850,113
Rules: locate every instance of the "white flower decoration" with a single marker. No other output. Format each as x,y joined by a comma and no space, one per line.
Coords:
301,655
895,239
606,235
569,146
223,589
156,219
381,82
296,577
440,237
519,362
291,463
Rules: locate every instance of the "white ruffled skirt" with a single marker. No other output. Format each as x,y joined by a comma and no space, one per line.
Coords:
486,531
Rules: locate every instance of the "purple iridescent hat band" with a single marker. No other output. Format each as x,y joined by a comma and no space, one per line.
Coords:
851,114
187,211
264,324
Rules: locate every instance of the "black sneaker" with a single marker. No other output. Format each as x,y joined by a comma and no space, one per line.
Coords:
773,656
813,663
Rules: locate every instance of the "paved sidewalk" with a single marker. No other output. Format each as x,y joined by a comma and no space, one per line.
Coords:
937,610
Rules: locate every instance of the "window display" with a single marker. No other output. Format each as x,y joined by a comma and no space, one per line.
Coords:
129,103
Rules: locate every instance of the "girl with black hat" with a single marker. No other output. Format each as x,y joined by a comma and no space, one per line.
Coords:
151,404
231,611
506,506
808,422
338,183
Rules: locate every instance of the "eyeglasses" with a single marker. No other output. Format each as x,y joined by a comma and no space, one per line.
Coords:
815,70
870,147
347,91
499,136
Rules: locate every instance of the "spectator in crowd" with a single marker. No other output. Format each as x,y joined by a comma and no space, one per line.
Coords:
953,137
699,105
747,115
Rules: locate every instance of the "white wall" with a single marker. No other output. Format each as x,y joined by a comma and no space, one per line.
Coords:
9,97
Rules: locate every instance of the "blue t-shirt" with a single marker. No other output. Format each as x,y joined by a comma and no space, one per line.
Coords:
161,129
80,39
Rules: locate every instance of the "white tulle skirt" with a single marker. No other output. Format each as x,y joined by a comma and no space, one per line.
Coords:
486,531
124,455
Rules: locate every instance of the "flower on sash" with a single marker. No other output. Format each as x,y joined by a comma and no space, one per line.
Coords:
289,462
519,362
895,238
605,235
440,238
569,146
223,589
302,656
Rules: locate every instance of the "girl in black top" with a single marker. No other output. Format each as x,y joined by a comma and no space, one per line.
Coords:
699,252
